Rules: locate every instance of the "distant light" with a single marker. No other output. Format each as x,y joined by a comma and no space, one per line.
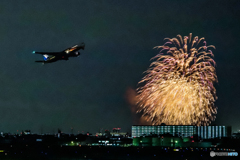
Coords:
33,52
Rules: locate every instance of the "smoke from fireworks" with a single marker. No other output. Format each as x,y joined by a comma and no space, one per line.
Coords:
178,87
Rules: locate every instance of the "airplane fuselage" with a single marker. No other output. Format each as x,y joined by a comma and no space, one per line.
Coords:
49,57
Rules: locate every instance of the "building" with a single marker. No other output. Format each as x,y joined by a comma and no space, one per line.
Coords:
27,132
115,132
202,132
236,135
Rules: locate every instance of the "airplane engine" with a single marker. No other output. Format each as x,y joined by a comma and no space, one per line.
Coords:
77,53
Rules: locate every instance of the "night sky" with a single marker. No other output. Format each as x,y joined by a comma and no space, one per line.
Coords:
89,92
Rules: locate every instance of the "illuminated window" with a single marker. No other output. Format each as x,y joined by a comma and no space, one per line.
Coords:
220,131
201,131
198,130
216,131
213,133
224,131
205,132
209,131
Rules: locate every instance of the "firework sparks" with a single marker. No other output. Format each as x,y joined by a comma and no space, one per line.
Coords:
178,87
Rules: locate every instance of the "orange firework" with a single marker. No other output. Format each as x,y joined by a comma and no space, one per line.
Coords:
178,87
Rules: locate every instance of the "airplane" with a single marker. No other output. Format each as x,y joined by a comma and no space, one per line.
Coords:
49,57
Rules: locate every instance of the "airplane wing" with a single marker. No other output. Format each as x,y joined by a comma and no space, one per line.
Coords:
40,61
44,62
76,47
48,53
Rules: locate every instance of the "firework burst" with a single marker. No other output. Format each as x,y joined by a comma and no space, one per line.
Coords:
178,86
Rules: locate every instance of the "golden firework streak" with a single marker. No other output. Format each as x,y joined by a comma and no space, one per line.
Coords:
178,87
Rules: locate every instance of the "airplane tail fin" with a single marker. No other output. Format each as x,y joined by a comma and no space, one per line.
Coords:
45,57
